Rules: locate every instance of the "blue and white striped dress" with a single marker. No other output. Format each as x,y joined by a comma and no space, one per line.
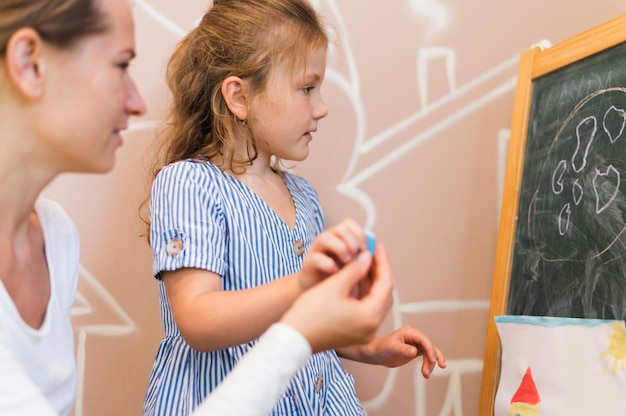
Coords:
222,226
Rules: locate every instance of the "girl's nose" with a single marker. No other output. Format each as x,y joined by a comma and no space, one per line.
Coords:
321,110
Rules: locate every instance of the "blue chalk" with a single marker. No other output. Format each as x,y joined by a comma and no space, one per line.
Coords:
371,241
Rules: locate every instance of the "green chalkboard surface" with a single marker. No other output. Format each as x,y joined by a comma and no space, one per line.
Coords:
562,238
569,257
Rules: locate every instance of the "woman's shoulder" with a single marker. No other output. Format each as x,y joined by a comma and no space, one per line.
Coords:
54,217
47,206
62,247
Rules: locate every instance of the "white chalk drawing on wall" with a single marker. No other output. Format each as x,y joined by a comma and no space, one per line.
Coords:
83,306
159,17
352,179
432,10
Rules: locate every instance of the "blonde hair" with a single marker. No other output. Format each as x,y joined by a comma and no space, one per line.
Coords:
58,22
243,38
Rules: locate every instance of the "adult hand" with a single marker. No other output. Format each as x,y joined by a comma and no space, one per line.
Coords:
329,316
331,250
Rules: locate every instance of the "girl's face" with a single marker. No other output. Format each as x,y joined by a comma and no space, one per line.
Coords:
89,95
284,117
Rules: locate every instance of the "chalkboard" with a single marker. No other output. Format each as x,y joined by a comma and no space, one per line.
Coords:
570,247
562,241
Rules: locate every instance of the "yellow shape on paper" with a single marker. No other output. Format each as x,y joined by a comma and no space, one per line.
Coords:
615,354
524,409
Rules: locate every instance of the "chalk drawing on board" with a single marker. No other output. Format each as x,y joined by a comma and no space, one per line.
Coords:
585,134
570,232
587,174
557,177
608,120
605,187
577,191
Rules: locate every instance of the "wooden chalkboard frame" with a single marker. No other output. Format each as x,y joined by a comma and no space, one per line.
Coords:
534,63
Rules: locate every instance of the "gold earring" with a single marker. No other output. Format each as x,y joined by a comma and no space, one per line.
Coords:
243,121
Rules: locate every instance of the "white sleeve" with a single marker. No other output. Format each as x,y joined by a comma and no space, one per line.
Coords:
261,377
20,396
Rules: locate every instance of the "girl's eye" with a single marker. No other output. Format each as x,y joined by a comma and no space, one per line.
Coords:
307,89
123,66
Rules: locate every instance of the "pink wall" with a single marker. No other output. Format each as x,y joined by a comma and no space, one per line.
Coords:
420,102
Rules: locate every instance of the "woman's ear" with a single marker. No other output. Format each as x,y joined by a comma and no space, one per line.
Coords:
24,62
234,91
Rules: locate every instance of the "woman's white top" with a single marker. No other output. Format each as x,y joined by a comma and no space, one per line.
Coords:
37,366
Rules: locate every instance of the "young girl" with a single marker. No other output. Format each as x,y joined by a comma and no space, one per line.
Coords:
232,234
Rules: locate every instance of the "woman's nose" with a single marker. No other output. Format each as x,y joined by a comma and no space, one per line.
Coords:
135,105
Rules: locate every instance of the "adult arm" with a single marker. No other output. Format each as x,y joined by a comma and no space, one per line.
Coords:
326,316
261,377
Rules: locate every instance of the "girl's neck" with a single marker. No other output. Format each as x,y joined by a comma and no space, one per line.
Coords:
260,167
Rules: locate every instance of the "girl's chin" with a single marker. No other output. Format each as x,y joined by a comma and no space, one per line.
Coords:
302,154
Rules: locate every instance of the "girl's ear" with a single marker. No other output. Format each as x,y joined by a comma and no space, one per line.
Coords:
25,63
234,92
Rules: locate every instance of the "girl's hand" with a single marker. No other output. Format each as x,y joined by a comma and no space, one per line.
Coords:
330,250
403,345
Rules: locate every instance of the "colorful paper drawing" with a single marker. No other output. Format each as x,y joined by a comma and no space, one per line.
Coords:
578,366
526,400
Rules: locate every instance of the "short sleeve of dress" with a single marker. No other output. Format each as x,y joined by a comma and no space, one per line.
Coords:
187,221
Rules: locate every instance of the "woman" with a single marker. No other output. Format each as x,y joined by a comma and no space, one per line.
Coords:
65,96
